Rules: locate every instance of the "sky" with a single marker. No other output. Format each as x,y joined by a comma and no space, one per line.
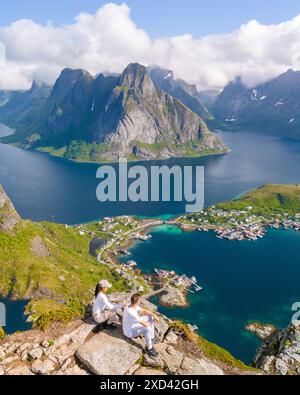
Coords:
160,17
207,43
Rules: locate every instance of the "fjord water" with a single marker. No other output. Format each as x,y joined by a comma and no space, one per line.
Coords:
47,188
242,281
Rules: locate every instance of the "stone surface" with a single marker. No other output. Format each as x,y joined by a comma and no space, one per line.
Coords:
20,371
173,298
199,367
280,353
36,353
9,217
150,362
149,372
263,332
43,367
171,338
172,358
108,355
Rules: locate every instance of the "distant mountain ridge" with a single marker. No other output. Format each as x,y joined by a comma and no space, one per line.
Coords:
179,89
106,117
273,106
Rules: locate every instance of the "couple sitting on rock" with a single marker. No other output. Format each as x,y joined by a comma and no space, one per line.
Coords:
136,321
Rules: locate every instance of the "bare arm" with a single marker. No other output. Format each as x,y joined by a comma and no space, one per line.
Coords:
149,313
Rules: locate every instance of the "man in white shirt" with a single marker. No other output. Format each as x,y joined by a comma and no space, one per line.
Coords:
103,310
140,322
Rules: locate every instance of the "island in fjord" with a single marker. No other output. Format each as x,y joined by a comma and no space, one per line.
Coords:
94,119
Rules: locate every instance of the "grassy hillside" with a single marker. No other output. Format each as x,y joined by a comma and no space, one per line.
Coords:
270,198
52,262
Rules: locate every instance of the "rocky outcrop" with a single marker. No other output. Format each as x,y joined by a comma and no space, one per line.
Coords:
107,354
9,217
76,350
173,297
263,332
280,353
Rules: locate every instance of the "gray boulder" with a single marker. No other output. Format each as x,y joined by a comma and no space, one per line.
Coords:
108,355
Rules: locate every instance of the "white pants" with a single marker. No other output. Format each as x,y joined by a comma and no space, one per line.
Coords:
147,332
109,316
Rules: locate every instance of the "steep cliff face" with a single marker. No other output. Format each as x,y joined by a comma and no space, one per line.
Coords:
279,354
179,89
8,215
104,118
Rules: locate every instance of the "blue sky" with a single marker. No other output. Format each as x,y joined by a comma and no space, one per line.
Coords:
154,33
161,17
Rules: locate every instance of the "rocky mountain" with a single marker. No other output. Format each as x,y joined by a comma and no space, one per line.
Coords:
179,89
208,97
279,354
9,217
108,117
20,109
273,106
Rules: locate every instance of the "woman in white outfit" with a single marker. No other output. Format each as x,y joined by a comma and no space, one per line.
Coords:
140,322
103,310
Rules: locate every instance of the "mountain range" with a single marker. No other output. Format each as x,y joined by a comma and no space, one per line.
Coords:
139,114
273,106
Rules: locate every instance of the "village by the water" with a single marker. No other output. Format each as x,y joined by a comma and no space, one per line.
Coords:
112,238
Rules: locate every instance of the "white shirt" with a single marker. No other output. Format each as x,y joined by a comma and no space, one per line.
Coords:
131,319
101,303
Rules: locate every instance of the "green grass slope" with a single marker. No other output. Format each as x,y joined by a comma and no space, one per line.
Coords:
269,199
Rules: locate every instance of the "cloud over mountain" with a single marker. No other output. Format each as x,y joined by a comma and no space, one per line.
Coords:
109,39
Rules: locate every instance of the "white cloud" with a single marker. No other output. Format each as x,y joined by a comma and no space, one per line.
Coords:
108,40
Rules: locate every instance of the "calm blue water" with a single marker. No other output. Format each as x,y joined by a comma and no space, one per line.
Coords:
242,282
15,319
47,188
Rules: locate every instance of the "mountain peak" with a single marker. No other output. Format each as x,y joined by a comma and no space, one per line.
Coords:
133,75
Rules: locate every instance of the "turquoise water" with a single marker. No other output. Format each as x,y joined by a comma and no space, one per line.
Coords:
14,317
242,281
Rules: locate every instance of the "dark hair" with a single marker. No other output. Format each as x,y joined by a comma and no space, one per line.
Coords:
135,298
98,290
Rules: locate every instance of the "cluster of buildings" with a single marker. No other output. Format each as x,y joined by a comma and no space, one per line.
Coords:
232,225
141,237
243,232
176,280
287,223
117,225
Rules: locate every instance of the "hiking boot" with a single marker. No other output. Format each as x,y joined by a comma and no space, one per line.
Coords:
111,327
98,328
152,353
